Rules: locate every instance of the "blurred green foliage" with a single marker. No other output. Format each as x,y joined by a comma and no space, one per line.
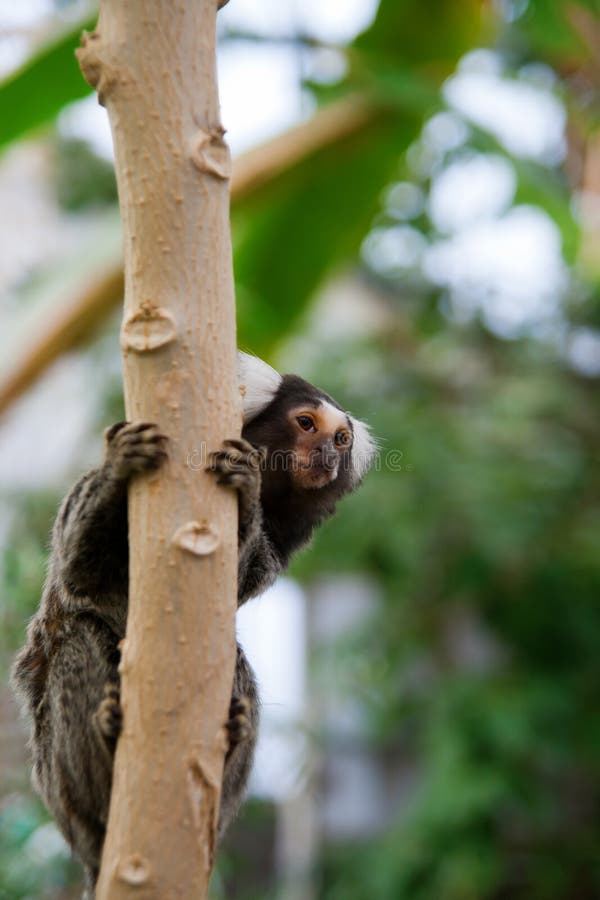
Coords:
332,196
480,664
34,861
82,178
479,668
31,97
22,565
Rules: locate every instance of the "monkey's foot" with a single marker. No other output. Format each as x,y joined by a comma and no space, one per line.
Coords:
109,716
134,447
239,725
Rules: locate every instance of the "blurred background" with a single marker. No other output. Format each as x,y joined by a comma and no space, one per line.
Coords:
416,224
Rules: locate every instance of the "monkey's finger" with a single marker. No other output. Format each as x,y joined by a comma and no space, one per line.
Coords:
239,705
230,475
145,461
252,456
234,459
233,479
149,448
239,725
228,452
141,426
214,460
110,721
226,479
223,460
142,437
112,430
138,429
239,729
239,444
112,690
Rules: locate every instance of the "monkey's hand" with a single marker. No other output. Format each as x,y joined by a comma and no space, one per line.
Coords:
134,447
238,465
90,533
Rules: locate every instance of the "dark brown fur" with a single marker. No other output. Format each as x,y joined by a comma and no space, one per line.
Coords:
67,672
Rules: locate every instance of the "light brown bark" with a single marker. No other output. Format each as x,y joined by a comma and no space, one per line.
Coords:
153,65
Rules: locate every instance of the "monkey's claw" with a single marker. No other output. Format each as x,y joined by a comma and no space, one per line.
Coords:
237,465
134,447
239,725
109,715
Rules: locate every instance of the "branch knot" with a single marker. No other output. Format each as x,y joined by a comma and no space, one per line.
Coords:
209,152
92,66
148,328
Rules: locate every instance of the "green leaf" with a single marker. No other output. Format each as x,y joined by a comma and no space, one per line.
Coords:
308,221
315,216
436,33
34,94
553,28
549,191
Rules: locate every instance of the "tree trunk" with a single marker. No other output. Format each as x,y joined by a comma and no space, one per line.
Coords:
153,65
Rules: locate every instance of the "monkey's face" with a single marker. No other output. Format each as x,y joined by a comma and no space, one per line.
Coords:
322,439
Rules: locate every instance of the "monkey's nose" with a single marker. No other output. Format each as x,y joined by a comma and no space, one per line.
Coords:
326,456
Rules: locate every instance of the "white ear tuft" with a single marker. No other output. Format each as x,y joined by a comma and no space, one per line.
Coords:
259,383
364,448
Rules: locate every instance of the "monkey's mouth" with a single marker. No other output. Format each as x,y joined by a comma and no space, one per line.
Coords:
317,475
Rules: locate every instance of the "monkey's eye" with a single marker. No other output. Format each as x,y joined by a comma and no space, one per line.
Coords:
306,423
342,438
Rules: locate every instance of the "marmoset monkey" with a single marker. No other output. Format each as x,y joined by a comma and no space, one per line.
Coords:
298,455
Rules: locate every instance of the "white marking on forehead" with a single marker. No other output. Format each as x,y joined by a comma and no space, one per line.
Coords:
334,412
